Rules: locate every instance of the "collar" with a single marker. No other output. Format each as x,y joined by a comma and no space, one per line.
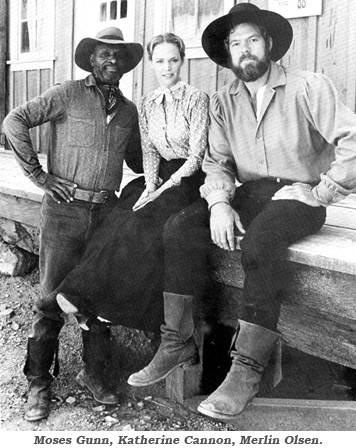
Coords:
174,93
277,77
100,83
90,81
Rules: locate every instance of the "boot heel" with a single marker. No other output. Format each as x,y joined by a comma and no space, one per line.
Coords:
79,381
191,362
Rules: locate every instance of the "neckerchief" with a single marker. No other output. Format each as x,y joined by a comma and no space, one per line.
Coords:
112,93
169,95
112,98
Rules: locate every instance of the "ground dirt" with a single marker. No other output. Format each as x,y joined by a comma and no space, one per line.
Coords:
73,408
140,409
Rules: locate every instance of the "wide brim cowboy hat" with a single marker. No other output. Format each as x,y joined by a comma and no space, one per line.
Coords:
131,52
217,31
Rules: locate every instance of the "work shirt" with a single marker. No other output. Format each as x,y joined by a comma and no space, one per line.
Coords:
84,148
303,134
174,128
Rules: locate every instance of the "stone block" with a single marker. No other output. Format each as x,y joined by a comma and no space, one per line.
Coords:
15,261
22,235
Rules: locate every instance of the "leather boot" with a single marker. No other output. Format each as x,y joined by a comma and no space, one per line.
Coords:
96,355
253,348
40,356
94,382
38,400
177,344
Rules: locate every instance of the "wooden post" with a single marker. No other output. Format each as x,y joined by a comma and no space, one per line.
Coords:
3,58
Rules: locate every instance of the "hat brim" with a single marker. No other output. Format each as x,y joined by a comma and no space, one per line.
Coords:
131,53
216,32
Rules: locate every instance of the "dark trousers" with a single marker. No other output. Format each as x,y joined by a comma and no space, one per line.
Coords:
66,230
271,226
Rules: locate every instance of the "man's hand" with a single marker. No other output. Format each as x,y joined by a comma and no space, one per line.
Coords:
59,189
298,192
223,220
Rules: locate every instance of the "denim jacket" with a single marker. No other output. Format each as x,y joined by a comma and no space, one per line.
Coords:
84,148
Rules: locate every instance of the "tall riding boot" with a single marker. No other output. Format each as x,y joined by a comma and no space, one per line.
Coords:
253,348
40,356
177,344
96,354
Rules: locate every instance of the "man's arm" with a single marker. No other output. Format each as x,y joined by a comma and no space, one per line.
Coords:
219,163
219,187
336,123
49,106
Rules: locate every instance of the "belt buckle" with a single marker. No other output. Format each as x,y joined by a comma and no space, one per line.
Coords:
106,194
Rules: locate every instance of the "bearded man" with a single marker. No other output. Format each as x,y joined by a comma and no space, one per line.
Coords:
289,142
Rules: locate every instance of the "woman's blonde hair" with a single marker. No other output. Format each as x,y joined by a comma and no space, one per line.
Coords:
169,38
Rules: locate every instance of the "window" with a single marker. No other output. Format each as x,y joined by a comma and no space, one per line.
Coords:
103,12
123,9
35,22
113,8
28,26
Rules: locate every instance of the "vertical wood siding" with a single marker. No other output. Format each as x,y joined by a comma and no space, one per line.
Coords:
324,44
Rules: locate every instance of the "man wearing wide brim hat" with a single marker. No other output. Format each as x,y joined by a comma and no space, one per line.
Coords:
94,128
215,34
287,138
130,53
291,145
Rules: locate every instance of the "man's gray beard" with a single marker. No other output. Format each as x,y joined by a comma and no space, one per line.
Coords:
252,72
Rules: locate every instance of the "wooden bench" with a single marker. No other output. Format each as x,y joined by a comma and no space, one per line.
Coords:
318,314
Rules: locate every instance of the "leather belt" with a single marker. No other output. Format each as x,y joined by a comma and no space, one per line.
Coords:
97,197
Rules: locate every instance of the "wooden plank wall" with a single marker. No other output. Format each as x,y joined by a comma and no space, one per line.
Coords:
27,84
3,57
325,44
64,41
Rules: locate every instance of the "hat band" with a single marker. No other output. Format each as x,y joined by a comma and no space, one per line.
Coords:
111,37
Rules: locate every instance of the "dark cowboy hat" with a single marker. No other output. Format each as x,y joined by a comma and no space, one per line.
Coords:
131,52
277,27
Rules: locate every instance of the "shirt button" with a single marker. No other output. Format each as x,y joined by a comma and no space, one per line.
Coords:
258,136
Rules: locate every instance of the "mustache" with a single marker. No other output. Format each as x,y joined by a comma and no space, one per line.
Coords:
248,56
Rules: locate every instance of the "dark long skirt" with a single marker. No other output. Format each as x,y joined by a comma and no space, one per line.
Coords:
120,276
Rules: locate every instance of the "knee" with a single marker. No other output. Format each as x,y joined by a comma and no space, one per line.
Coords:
48,306
186,225
259,249
175,228
45,326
